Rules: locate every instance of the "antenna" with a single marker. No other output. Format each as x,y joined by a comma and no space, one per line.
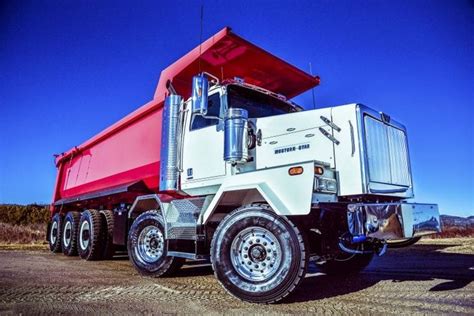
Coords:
312,89
200,37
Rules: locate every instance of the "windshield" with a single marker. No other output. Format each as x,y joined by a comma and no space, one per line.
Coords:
256,103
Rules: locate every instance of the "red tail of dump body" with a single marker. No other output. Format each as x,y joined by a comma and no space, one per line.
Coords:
123,160
124,156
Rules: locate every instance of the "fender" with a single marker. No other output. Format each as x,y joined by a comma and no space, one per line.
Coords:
287,195
145,203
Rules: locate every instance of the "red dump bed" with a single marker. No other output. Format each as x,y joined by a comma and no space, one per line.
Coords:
125,157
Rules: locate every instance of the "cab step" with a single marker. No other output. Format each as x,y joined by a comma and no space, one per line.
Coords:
188,255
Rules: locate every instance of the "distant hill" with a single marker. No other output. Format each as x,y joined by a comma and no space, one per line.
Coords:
456,226
457,221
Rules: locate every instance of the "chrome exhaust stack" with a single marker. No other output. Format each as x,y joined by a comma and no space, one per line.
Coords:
170,130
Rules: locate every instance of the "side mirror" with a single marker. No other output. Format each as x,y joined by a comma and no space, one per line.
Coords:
200,93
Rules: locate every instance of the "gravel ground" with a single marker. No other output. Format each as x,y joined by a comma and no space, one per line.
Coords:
432,277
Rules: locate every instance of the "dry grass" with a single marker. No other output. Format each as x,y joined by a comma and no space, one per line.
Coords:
24,247
463,245
454,232
23,226
22,234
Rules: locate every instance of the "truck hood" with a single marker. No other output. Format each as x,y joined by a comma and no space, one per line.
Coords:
295,137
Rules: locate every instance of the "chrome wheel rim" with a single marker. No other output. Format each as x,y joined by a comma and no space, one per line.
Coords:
54,232
84,235
150,246
67,234
256,254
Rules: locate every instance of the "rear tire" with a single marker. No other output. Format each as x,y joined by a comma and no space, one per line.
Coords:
147,247
55,233
108,234
69,233
347,264
89,239
258,256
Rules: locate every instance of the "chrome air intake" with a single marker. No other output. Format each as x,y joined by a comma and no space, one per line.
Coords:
236,135
169,171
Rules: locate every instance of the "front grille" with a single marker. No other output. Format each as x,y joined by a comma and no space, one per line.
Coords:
387,153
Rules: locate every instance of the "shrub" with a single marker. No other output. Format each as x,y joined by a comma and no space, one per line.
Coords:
24,214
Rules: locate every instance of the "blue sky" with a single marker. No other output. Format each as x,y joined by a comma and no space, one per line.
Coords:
69,69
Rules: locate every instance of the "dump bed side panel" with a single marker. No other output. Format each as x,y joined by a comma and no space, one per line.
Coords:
129,150
129,155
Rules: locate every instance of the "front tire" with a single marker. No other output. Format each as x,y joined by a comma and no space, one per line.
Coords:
70,232
55,233
258,256
147,247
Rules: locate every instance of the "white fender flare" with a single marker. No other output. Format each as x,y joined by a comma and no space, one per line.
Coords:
286,194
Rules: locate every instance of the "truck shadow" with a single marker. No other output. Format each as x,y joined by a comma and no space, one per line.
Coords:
196,268
415,263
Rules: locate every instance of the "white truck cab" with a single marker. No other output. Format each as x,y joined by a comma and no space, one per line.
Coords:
265,187
362,153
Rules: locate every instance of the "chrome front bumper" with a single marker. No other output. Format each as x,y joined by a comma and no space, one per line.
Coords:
393,220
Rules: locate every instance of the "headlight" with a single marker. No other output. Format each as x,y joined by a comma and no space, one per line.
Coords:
325,185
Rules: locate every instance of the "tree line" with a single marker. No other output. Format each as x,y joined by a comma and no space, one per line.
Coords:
24,214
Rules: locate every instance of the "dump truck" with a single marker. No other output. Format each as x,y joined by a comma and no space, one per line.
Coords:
221,165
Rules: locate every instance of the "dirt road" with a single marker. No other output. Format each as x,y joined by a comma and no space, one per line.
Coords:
432,277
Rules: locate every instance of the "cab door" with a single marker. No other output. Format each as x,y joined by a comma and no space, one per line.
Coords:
203,144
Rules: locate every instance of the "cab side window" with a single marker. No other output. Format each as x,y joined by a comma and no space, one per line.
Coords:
213,109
